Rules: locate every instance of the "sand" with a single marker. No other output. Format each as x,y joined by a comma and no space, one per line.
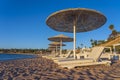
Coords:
45,69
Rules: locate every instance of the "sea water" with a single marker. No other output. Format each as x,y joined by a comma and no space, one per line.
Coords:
9,56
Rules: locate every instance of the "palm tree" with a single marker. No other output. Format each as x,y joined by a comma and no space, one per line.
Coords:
95,42
81,45
114,32
111,27
92,42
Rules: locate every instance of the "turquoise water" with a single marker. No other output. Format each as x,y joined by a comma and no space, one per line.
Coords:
6,56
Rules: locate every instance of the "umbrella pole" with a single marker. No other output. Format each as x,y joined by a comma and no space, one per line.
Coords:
60,47
56,51
74,47
114,49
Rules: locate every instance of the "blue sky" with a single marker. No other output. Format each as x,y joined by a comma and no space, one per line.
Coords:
22,22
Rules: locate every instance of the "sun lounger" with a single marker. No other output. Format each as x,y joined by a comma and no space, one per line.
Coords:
68,53
93,58
96,53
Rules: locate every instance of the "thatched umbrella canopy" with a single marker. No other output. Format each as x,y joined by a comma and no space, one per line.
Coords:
76,20
54,47
56,44
61,38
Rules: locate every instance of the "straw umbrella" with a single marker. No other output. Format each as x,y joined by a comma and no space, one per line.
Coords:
61,38
76,20
56,45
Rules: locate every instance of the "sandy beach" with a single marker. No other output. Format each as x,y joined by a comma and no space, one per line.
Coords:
45,69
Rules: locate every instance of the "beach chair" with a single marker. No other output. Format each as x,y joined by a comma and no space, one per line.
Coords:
64,57
69,52
93,58
96,53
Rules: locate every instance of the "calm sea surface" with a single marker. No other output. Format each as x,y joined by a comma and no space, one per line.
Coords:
6,56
